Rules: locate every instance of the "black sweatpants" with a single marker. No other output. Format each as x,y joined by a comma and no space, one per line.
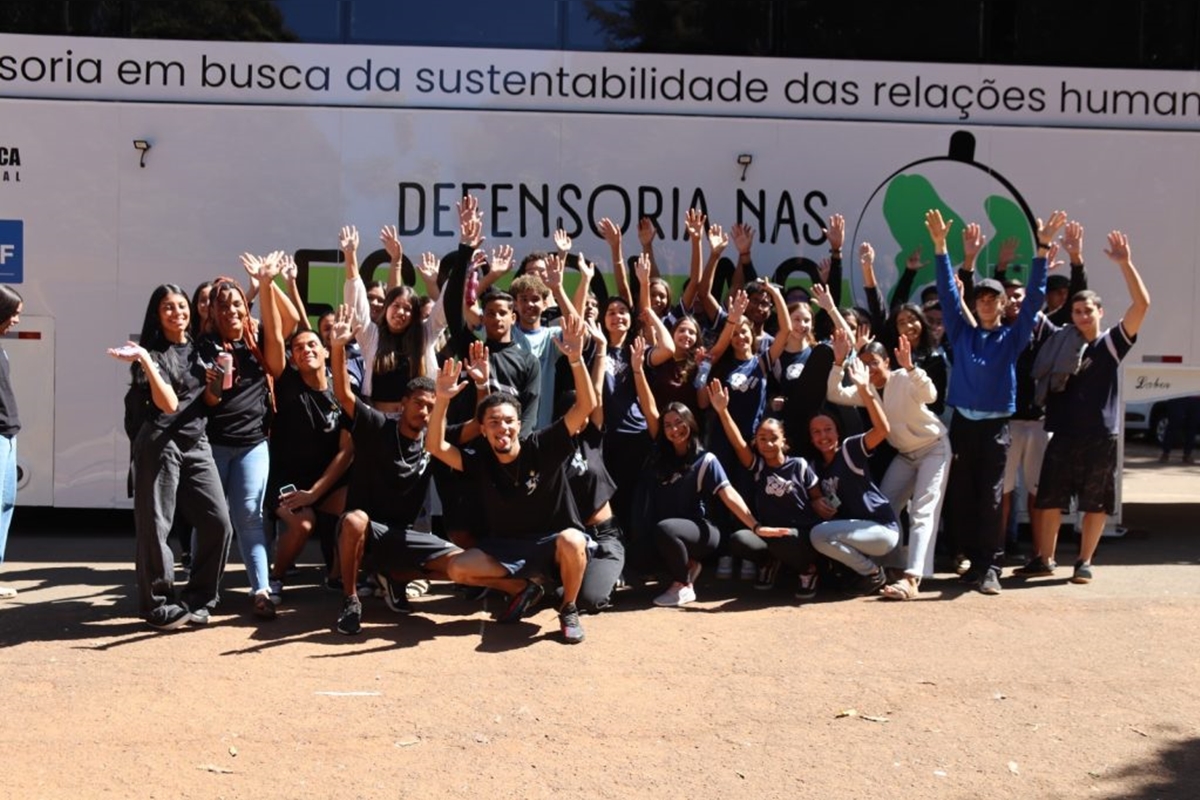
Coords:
972,508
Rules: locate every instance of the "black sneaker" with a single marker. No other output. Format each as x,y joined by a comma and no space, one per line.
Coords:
568,619
394,594
521,602
350,622
806,589
1083,572
767,573
870,584
198,616
168,618
973,576
1035,567
990,583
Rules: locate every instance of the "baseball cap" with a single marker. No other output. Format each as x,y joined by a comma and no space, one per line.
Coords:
989,285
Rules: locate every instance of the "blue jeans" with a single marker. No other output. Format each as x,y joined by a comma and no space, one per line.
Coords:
854,542
8,487
243,472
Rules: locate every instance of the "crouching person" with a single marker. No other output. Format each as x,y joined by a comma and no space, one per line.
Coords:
532,524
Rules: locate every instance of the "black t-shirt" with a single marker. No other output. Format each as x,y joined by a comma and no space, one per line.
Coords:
240,419
306,431
10,423
527,498
181,367
391,472
591,485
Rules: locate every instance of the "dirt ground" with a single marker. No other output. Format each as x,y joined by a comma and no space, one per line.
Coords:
1050,690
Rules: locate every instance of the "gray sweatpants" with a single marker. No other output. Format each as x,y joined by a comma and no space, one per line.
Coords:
166,475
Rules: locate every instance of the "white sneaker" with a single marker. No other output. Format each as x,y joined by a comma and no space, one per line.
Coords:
678,595
749,570
416,588
725,567
7,592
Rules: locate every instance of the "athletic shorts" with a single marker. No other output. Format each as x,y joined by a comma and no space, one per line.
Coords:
1083,467
524,558
397,548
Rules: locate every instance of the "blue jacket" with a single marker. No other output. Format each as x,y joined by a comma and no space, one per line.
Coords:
984,378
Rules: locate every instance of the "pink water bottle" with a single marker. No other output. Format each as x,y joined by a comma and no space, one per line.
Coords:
472,285
225,362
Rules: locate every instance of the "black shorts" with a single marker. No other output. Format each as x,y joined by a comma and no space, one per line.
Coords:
524,558
1083,467
395,548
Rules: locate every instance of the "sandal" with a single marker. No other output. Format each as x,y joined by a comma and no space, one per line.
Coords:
903,589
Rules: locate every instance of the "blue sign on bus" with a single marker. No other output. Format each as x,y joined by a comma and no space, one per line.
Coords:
12,251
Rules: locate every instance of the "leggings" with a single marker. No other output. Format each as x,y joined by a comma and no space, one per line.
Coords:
680,540
795,550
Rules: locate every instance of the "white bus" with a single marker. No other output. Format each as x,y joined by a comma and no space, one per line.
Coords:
128,163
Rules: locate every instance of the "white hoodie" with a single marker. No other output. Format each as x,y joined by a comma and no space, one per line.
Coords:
913,425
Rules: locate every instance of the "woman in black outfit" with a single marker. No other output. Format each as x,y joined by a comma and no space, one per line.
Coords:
173,466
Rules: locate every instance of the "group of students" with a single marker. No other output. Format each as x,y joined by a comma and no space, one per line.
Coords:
592,438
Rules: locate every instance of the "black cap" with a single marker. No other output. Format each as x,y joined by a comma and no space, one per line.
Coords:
989,285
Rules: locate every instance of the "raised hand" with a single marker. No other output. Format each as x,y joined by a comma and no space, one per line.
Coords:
820,293
904,353
743,238
502,259
574,332
637,355
1052,262
1073,241
1008,251
252,264
287,268
972,236
914,262
718,239
836,232
470,223
694,222
446,383
470,232
737,307
344,326
1048,231
269,266
428,267
391,243
841,344
718,395
562,241
610,232
866,255
587,269
646,232
1118,248
478,367
642,268
937,227
348,240
554,270
859,375
823,270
